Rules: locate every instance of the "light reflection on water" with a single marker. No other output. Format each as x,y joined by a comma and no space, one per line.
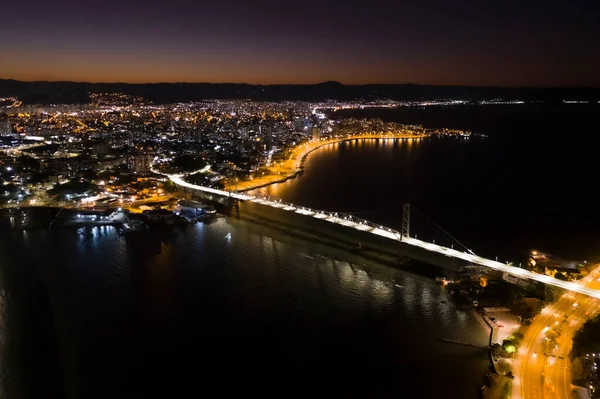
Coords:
386,149
194,291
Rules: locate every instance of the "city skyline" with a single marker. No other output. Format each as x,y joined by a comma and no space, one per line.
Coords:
540,44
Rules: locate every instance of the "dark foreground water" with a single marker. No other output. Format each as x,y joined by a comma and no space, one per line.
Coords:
90,314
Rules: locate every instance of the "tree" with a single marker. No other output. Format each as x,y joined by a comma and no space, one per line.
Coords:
36,178
516,294
107,174
514,339
510,345
488,379
73,187
89,174
28,162
586,340
577,371
189,163
11,188
561,276
496,350
170,187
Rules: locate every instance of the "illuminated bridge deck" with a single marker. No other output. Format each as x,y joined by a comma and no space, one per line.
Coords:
366,226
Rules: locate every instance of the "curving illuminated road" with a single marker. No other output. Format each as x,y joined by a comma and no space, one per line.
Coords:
285,169
540,370
364,225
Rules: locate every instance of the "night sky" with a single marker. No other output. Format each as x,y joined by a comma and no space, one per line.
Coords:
460,42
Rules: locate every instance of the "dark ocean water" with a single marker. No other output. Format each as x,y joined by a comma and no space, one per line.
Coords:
532,184
90,314
190,312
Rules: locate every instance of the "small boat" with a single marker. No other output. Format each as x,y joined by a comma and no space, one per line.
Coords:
131,227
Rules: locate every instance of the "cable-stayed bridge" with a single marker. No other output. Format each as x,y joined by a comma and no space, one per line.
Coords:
353,222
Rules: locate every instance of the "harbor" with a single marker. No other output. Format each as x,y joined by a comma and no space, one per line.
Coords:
36,218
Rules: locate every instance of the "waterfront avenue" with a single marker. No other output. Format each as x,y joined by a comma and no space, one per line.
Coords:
366,226
293,165
541,370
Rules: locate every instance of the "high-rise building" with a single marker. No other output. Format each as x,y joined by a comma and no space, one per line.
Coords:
244,132
100,149
140,163
299,124
316,133
6,128
138,135
198,135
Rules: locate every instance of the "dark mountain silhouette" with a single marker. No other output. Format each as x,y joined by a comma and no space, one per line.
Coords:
77,92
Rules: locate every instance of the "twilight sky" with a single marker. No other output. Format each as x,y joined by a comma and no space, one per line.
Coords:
460,42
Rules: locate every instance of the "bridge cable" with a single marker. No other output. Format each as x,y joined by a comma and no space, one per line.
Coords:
375,216
439,227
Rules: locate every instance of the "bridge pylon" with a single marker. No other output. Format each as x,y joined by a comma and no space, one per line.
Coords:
405,220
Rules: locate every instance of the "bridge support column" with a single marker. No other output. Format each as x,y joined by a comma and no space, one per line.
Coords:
406,220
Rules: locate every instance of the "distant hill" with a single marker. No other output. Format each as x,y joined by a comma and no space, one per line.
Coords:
77,92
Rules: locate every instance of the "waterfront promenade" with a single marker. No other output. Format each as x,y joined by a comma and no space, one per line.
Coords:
294,164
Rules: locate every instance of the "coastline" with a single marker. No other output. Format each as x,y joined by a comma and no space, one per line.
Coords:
488,322
48,217
266,184
300,159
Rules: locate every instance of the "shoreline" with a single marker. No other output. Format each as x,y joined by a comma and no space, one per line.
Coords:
263,185
484,317
301,158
